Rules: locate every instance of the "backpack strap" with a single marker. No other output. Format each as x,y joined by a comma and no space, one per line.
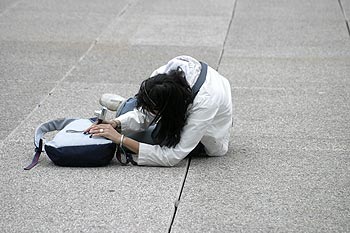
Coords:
37,153
40,131
201,79
124,157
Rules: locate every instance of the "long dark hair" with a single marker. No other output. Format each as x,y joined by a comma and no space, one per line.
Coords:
168,97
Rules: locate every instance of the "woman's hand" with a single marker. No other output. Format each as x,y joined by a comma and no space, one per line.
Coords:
112,123
105,130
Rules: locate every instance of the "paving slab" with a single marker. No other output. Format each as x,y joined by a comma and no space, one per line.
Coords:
114,198
292,113
185,32
310,39
44,26
29,71
315,73
190,8
49,20
266,29
264,190
298,97
17,100
284,142
303,10
149,24
132,64
39,61
78,6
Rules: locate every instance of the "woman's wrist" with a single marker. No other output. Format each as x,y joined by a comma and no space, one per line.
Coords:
121,140
116,124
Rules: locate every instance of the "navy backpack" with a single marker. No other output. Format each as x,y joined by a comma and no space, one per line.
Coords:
70,146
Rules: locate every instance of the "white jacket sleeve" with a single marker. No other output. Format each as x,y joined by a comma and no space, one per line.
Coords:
200,116
134,121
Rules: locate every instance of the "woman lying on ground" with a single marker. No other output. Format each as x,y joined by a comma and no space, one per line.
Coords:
166,121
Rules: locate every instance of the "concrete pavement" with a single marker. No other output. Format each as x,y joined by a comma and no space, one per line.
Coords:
287,169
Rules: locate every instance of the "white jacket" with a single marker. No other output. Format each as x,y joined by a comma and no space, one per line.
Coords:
209,118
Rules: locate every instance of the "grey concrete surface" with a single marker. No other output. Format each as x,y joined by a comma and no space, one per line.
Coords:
287,168
284,29
288,62
264,190
109,199
346,8
110,62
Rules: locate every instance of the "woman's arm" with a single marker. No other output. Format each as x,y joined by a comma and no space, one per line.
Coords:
108,131
134,121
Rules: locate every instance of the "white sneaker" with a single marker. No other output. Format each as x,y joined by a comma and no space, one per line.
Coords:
111,101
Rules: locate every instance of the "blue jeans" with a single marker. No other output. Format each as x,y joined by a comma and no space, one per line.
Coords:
143,136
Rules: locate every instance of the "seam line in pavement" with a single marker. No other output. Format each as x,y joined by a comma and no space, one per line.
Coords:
95,41
178,197
227,33
344,15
